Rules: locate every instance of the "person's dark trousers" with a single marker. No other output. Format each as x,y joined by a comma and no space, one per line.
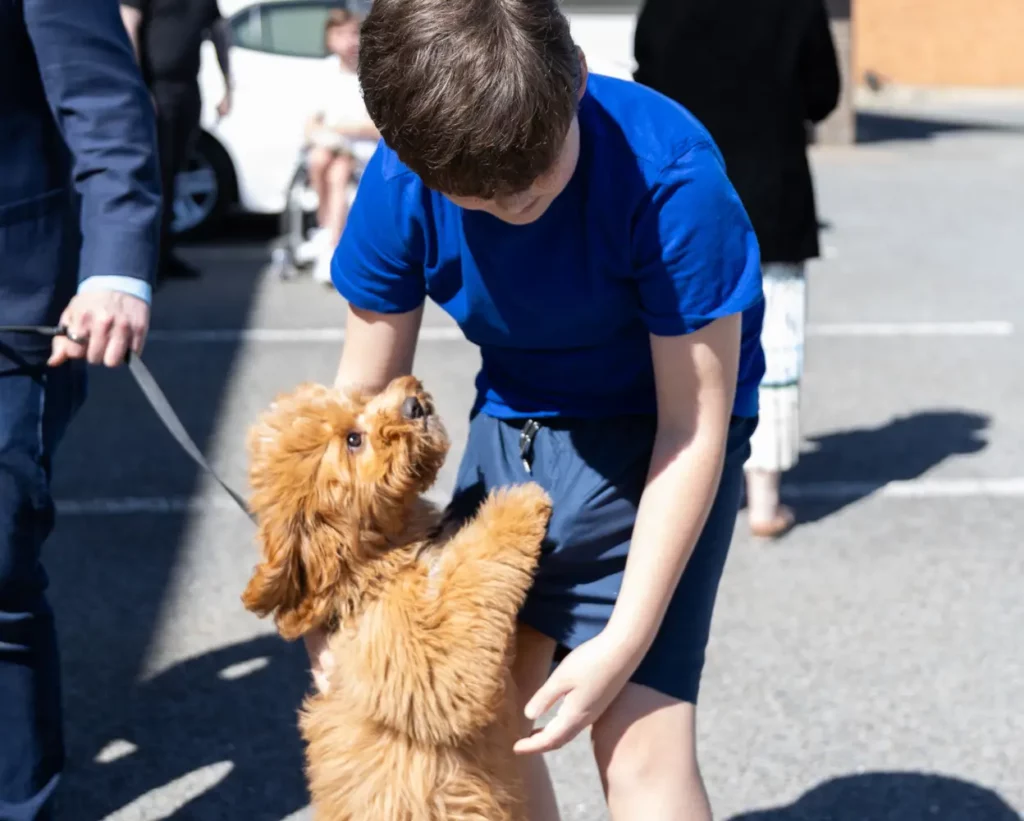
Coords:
36,406
178,108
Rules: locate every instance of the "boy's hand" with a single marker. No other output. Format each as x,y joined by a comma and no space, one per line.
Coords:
590,678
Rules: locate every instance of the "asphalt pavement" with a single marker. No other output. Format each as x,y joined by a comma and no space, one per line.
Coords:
868,667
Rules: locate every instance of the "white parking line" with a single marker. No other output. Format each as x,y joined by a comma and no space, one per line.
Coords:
448,333
986,328
908,489
1010,488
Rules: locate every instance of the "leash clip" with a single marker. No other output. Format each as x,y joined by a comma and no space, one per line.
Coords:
526,438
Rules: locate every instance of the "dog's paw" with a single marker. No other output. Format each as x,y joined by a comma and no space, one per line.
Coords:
520,514
531,499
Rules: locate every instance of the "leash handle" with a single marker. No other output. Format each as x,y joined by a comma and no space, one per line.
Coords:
38,330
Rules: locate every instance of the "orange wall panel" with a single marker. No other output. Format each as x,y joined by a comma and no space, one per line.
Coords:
940,42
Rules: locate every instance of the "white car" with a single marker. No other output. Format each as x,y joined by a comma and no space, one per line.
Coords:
245,161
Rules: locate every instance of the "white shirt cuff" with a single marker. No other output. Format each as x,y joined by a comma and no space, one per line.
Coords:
128,285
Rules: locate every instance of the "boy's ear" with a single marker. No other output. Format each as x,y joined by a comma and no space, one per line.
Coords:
584,73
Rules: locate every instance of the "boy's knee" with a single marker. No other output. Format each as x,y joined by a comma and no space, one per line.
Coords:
628,767
639,747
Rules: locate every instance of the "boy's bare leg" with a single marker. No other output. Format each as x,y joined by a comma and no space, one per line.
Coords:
534,654
646,751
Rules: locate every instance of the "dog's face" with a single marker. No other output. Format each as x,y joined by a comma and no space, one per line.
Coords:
333,478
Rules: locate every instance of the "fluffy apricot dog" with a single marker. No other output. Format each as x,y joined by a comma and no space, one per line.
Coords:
419,718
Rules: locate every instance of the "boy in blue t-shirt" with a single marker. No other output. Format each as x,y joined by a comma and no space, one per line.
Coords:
582,232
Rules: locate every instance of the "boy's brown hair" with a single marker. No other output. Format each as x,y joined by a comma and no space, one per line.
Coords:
475,96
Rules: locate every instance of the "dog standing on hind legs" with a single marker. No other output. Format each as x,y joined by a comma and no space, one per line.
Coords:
420,715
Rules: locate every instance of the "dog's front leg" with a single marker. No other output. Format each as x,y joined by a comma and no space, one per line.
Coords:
433,657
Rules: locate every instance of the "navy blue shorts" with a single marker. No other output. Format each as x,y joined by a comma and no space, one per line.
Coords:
595,471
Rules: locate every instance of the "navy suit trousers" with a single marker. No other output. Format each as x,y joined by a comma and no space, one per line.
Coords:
35,408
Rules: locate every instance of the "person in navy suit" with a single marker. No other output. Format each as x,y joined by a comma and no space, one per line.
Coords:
80,205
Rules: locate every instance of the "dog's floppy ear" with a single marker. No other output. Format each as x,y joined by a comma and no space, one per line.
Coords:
277,584
299,577
303,532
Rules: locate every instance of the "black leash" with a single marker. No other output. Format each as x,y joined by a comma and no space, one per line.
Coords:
156,398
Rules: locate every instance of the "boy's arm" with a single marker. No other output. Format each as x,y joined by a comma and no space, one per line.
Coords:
377,268
378,348
695,377
697,269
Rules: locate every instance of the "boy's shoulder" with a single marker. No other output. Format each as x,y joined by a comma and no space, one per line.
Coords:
640,122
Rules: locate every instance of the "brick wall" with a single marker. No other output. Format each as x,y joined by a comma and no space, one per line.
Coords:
940,42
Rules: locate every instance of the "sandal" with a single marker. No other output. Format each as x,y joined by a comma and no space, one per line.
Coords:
777,526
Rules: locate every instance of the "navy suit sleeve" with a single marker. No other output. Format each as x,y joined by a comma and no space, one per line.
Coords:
96,93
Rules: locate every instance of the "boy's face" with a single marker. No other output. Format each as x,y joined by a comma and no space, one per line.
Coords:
529,205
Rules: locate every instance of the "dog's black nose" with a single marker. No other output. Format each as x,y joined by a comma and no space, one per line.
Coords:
412,408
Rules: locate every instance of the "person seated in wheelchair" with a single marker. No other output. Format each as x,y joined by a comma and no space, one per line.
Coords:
340,138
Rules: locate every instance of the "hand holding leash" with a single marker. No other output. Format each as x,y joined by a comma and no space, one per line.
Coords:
101,327
111,333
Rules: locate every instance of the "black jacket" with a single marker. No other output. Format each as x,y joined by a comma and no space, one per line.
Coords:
754,72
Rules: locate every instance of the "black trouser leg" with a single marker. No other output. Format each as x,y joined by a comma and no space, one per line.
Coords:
177,117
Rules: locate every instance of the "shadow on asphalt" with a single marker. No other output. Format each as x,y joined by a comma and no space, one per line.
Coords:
869,458
221,725
880,127
892,796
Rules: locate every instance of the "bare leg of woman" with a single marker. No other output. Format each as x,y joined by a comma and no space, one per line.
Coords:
334,205
775,445
319,160
338,176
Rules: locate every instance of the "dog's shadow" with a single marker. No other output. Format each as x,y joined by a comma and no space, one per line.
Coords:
892,796
214,736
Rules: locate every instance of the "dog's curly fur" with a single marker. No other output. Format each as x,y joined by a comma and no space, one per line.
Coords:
419,718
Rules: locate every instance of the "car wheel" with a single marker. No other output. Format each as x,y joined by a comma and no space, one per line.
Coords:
203,191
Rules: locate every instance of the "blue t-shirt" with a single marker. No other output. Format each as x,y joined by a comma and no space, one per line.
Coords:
649,237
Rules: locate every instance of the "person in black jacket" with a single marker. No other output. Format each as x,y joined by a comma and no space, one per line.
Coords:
166,36
755,73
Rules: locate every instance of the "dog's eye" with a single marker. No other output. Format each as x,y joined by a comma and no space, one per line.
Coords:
354,441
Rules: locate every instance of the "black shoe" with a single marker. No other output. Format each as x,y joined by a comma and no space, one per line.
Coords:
177,268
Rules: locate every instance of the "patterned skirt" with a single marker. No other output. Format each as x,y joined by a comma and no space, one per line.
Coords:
775,445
